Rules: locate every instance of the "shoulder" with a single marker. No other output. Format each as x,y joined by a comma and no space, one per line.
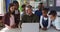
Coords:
57,19
7,14
36,11
24,16
41,16
35,15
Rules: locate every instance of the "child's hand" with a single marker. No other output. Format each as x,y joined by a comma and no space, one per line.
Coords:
13,26
44,28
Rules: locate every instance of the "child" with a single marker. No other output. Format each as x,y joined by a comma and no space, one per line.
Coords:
45,20
54,19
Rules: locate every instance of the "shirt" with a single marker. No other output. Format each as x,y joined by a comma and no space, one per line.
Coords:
38,13
49,22
30,19
56,23
12,21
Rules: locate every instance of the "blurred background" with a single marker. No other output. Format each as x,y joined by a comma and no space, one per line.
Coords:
52,4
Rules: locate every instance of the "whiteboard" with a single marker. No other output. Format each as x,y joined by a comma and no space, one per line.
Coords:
30,27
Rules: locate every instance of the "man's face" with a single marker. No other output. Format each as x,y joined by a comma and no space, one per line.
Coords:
52,17
40,6
28,11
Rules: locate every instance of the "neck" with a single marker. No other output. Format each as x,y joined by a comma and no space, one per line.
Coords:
46,16
40,9
16,9
30,14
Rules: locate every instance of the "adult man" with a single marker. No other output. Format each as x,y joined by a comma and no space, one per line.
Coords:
29,17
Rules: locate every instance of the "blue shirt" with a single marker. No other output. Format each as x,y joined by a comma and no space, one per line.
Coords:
38,13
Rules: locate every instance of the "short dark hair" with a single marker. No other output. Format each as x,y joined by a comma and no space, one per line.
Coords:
53,12
15,2
23,6
40,3
45,9
29,6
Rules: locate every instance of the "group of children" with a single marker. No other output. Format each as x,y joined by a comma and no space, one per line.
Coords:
49,19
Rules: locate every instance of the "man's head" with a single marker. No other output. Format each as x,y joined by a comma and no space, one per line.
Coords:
40,6
16,4
45,11
53,14
29,9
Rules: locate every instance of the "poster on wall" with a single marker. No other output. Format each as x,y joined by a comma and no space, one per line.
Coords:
57,2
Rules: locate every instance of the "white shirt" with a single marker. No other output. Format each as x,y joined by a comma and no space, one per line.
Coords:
16,12
49,22
56,23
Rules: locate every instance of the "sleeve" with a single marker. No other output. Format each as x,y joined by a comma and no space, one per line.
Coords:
3,19
35,12
41,22
57,24
23,19
49,23
37,19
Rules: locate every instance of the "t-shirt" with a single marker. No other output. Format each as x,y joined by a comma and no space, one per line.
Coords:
56,23
49,21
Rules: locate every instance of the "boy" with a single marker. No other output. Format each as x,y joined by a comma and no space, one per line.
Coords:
54,19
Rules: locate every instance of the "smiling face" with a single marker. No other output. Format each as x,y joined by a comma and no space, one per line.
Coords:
12,9
44,13
29,11
40,6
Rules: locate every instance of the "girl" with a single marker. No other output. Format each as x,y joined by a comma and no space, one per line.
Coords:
54,19
45,20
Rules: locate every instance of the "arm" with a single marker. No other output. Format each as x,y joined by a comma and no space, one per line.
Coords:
37,19
57,24
49,23
41,22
